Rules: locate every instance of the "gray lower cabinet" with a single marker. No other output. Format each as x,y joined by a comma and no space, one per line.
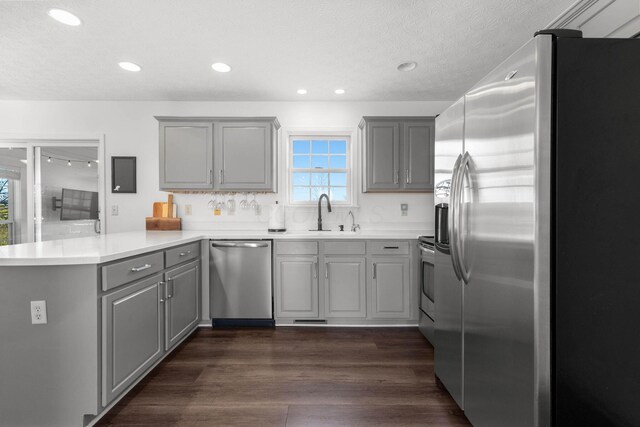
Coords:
182,302
132,332
390,287
218,153
345,287
244,156
296,287
397,153
186,155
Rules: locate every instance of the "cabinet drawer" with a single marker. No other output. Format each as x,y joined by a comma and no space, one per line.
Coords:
117,274
297,248
175,256
344,248
388,247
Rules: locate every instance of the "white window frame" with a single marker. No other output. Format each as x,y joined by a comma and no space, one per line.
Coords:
334,134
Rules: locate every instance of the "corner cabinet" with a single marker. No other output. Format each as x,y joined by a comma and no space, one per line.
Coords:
148,308
397,153
218,153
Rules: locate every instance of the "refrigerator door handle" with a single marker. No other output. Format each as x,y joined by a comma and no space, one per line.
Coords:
462,172
453,207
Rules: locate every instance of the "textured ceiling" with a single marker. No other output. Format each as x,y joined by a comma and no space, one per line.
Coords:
274,46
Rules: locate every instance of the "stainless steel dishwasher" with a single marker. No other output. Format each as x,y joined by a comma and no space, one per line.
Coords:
240,280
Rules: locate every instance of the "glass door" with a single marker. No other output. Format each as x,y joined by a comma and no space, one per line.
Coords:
67,192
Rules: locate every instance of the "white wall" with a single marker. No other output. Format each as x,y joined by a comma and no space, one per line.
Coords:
131,130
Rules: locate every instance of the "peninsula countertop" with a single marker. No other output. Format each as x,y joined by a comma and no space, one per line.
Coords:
110,247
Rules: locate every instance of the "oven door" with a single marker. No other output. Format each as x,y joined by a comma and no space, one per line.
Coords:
427,283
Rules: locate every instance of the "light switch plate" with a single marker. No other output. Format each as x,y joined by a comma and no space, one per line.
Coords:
404,209
114,210
187,210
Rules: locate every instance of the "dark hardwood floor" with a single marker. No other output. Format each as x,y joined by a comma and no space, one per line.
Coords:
293,376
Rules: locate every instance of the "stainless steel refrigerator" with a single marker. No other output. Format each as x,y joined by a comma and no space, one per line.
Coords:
537,294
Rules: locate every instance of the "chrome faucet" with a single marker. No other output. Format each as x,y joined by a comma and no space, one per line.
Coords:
354,226
320,210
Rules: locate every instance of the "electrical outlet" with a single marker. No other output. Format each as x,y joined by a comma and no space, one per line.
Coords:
38,312
114,210
404,209
187,210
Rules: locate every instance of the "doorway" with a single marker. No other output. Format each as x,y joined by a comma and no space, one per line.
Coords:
50,189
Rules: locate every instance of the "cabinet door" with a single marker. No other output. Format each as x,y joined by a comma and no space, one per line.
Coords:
417,146
390,287
182,303
244,156
186,155
382,155
131,334
297,287
344,290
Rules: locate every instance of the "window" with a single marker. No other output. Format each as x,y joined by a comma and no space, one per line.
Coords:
319,165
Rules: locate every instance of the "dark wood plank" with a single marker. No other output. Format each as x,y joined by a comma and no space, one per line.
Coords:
372,416
294,377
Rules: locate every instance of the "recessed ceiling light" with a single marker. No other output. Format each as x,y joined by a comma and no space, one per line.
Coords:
407,66
64,17
221,67
302,91
339,91
130,66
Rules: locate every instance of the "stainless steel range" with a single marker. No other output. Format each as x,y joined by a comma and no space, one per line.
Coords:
427,303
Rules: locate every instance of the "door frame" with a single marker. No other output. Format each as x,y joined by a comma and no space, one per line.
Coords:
32,141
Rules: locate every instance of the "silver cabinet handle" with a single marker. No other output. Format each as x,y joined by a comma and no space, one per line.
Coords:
407,176
375,270
391,247
315,270
221,174
169,288
163,284
396,175
210,176
326,270
185,253
240,245
141,268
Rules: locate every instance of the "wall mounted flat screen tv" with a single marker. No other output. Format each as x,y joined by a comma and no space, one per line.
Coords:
78,204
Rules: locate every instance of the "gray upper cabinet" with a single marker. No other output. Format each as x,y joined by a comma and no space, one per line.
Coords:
218,153
382,155
244,156
397,153
418,145
186,155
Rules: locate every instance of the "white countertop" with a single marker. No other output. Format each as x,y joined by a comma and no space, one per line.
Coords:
110,247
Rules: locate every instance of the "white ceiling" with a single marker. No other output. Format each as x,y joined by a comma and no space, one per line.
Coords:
274,46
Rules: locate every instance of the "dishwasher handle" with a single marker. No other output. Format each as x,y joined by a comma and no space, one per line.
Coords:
240,244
